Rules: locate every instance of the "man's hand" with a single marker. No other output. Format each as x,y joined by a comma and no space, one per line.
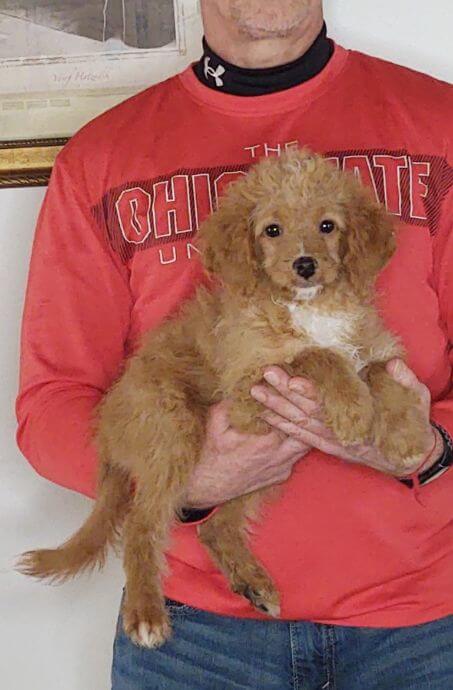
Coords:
293,409
233,464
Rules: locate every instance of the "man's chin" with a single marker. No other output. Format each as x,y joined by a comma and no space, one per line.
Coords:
270,21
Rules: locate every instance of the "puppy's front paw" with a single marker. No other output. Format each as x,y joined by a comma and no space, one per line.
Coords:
400,429
350,418
404,446
145,623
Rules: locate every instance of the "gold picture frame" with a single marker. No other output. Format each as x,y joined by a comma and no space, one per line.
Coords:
28,163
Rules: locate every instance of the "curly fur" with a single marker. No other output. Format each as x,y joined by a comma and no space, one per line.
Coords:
262,312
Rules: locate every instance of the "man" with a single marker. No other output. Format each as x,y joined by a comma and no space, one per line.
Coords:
363,558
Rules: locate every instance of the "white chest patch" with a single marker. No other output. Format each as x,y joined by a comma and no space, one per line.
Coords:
334,331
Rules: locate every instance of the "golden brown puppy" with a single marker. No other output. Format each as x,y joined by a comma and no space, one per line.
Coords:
297,246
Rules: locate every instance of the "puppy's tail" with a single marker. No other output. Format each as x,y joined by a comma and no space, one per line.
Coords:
87,548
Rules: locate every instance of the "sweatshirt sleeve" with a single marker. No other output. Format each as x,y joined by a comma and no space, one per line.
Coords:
442,409
75,325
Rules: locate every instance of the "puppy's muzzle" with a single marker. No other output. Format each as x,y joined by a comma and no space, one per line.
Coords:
305,266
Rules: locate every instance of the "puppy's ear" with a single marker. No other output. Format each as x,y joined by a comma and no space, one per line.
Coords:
369,240
227,244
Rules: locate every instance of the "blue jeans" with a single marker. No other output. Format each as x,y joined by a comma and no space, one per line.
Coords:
212,652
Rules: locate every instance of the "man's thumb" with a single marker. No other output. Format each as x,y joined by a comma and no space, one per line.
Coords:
399,371
218,420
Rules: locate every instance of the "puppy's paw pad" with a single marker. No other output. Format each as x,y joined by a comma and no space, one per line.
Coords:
149,635
146,625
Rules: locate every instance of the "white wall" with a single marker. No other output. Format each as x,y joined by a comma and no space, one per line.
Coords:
410,32
51,638
59,638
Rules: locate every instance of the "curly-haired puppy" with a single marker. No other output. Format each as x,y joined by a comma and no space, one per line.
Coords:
297,246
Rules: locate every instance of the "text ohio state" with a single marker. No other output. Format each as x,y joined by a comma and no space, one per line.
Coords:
167,210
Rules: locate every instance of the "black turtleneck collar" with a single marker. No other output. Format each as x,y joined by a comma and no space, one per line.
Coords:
220,75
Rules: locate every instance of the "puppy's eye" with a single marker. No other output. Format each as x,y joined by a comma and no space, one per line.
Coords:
327,226
273,230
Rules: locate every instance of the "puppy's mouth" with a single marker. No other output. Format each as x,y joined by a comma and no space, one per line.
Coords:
311,282
307,292
307,288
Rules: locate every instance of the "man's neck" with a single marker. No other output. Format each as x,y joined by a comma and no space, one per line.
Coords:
239,49
222,76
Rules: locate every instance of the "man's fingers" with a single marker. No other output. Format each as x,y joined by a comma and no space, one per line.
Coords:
309,425
219,425
277,403
218,420
304,387
292,448
292,406
325,443
298,390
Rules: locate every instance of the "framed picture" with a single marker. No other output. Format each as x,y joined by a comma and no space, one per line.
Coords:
62,62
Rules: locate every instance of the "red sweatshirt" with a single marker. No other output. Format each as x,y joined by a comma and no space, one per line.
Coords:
113,255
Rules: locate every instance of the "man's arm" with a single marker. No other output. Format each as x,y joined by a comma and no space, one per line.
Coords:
74,328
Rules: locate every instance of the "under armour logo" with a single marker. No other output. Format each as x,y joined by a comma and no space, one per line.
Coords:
214,73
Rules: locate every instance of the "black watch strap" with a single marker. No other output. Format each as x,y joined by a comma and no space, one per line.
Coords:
443,463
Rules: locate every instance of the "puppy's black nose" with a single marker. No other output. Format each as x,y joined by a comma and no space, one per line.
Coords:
305,266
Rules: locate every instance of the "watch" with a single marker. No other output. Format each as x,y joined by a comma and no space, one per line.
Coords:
440,466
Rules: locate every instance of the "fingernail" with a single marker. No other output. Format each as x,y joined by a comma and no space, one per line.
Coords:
258,394
398,366
271,378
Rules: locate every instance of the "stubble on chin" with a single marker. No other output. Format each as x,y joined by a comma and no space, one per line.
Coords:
259,19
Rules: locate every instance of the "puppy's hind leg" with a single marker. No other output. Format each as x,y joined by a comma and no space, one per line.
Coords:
160,489
225,537
144,537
